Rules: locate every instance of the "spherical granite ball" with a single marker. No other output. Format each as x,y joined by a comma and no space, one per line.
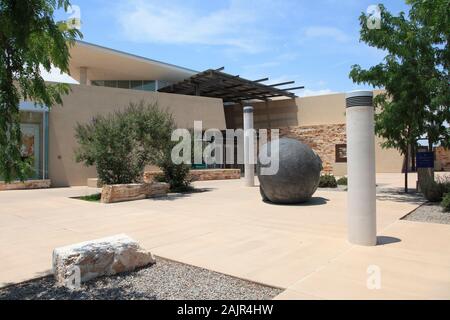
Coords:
298,176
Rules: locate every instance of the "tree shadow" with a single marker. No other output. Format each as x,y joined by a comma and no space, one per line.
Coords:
181,195
101,289
398,195
385,240
314,201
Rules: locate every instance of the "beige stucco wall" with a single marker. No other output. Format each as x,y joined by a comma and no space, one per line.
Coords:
84,102
311,111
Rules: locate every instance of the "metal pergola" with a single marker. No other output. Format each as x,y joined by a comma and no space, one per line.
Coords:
231,89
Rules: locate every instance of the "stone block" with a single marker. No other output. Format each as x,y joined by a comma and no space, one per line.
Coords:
29,184
130,192
102,257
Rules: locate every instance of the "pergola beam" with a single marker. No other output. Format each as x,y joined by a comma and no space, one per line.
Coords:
282,84
296,88
261,80
217,84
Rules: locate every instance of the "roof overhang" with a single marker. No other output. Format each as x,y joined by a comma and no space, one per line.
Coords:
109,64
229,88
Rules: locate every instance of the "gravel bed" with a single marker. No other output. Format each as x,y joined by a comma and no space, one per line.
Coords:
429,212
165,280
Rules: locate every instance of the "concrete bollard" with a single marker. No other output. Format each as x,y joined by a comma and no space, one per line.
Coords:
362,229
249,147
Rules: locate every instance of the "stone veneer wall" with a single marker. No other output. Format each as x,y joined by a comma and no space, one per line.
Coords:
29,184
201,175
322,139
443,158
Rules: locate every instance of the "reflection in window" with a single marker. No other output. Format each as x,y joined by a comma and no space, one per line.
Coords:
145,85
149,86
123,84
136,85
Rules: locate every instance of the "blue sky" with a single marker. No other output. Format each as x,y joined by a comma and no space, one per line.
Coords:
311,42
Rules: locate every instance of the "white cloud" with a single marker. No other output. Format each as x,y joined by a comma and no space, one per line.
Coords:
279,60
238,25
309,93
336,34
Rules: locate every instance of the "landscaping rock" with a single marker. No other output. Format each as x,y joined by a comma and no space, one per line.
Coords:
298,176
200,175
102,257
165,280
130,192
156,189
25,185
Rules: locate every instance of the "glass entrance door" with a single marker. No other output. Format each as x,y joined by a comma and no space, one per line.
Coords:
31,147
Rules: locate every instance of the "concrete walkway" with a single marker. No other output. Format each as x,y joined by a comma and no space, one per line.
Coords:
227,228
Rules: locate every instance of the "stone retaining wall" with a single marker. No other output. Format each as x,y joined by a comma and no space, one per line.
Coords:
443,158
131,192
30,184
201,175
322,139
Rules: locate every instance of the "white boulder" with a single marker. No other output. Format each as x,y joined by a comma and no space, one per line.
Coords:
78,263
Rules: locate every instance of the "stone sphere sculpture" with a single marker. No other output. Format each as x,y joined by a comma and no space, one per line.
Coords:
298,176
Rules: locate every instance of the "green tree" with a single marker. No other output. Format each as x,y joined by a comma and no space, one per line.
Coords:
121,144
29,39
415,102
434,20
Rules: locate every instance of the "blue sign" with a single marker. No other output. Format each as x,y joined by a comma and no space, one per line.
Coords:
425,160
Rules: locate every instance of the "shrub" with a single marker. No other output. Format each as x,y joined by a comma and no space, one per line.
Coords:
434,191
342,181
327,181
444,183
446,202
121,144
177,175
92,198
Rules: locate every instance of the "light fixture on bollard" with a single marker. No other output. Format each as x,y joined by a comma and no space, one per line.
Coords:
362,229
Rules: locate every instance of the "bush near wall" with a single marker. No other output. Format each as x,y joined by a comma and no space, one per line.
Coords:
434,191
327,181
446,202
120,145
342,181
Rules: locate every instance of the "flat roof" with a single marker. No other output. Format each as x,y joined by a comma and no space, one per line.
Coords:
109,64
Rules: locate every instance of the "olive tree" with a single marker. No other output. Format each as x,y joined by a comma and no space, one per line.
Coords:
121,144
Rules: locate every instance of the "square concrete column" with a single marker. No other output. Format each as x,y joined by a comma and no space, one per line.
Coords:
83,75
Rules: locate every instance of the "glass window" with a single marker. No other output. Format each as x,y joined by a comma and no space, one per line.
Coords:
123,84
149,86
136,85
146,85
98,83
111,83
